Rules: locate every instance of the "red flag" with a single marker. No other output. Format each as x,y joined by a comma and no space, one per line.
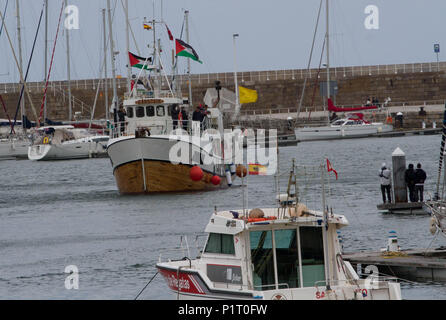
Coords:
330,169
170,33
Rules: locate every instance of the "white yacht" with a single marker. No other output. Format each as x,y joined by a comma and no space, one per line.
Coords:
65,143
349,127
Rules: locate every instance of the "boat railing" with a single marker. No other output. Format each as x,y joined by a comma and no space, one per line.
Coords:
183,251
371,282
163,127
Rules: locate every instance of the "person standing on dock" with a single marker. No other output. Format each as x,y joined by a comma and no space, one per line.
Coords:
384,174
420,177
409,177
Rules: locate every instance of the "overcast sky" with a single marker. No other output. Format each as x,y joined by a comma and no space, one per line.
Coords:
274,35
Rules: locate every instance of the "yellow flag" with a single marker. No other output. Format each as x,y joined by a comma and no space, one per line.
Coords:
247,95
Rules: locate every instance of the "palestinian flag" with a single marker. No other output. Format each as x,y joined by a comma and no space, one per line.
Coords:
185,50
138,62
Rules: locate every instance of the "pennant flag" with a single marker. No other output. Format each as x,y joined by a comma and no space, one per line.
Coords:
138,62
247,95
257,169
185,50
147,26
170,33
330,169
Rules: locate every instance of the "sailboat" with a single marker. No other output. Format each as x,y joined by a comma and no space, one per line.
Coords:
142,149
288,252
352,125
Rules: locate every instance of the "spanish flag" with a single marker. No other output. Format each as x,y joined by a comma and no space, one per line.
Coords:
147,26
257,169
247,95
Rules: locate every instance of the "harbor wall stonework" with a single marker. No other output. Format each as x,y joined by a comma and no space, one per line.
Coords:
278,91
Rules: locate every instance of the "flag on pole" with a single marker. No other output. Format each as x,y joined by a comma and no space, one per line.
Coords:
170,33
257,169
185,50
138,62
330,169
147,26
247,95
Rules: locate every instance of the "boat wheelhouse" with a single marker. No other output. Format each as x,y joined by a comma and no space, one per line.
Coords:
279,255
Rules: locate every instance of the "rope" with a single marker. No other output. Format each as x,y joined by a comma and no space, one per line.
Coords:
146,286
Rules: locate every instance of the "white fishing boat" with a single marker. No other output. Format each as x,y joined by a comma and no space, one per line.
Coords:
147,151
65,143
283,253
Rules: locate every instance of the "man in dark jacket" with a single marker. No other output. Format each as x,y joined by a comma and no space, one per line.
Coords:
174,114
409,177
420,177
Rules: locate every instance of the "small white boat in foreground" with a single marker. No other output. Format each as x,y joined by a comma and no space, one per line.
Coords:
66,142
283,253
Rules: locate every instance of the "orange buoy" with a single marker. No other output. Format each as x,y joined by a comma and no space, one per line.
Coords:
241,171
196,173
216,180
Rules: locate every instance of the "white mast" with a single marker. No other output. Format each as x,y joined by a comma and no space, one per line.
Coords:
105,66
19,38
112,54
328,57
70,107
129,67
45,116
237,95
186,14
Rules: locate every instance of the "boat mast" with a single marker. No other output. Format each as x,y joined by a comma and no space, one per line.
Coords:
327,40
127,39
237,94
45,116
70,107
19,38
105,65
112,54
186,17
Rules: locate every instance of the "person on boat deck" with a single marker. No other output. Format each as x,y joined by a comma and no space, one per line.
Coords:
174,113
420,177
333,117
197,115
409,178
121,117
185,119
384,174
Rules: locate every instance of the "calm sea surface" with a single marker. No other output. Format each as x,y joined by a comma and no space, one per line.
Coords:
57,214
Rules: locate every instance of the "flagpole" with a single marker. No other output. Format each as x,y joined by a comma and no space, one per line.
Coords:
186,13
129,67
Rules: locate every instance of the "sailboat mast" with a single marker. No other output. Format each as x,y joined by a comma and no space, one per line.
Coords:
70,107
127,39
19,38
328,51
112,54
45,116
105,65
186,16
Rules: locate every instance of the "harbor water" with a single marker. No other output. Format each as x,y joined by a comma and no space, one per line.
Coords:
69,213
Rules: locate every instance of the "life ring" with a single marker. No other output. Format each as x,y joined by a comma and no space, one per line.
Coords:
46,140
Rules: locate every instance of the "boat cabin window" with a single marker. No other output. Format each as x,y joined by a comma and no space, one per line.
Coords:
220,243
286,253
312,252
140,112
150,110
130,112
338,122
350,123
160,112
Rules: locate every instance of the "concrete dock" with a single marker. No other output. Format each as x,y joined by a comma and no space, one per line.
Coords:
414,265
